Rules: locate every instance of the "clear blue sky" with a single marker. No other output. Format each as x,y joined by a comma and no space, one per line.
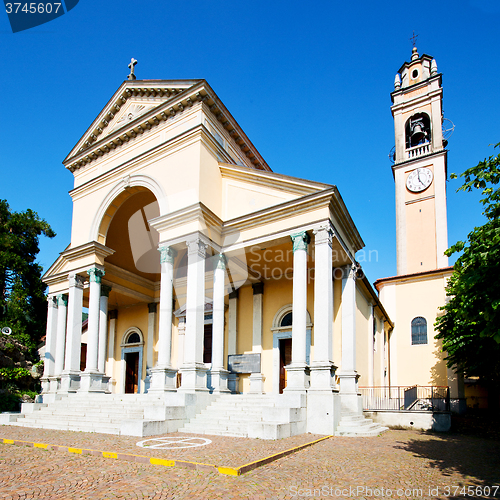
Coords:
310,84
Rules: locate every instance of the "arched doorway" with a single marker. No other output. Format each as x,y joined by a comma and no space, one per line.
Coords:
282,345
131,360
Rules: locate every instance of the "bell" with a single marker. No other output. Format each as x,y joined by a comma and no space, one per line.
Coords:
417,132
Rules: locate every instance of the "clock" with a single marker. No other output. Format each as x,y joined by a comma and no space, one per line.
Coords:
419,180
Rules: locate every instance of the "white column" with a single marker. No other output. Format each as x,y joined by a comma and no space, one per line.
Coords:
193,370
296,376
91,378
322,368
163,375
95,276
103,327
218,373
62,307
152,309
50,337
257,379
232,340
110,362
348,375
71,375
371,346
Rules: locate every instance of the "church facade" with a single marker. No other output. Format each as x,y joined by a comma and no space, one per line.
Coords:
205,273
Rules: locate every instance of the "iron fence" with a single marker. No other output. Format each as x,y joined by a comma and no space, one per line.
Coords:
406,398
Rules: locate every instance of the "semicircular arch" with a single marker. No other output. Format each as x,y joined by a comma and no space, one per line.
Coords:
120,192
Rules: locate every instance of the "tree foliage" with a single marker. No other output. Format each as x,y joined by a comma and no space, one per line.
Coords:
23,306
470,325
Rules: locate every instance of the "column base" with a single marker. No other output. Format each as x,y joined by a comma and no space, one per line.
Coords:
91,382
323,376
193,378
219,379
297,378
348,381
233,384
256,383
70,382
54,385
163,379
45,381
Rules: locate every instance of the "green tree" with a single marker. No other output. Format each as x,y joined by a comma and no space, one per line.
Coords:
23,305
470,325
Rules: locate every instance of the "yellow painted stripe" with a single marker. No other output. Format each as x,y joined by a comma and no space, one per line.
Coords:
228,471
75,450
109,454
160,461
40,445
287,452
8,441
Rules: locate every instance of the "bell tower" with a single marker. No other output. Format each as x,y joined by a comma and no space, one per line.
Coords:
419,166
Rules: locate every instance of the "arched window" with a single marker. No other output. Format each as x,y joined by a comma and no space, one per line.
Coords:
133,338
418,331
286,320
418,130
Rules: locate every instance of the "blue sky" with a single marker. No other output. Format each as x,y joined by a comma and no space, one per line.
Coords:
309,83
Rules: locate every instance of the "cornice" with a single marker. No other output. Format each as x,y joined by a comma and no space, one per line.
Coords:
271,179
120,273
280,211
418,99
405,278
90,147
90,248
397,166
196,212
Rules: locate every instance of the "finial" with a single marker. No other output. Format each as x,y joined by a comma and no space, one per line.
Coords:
414,54
132,64
434,67
397,81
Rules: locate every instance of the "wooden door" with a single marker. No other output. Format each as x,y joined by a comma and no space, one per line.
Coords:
285,346
131,372
207,344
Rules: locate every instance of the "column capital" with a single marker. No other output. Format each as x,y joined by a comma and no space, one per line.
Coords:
220,261
351,271
167,254
323,235
105,289
62,300
300,240
197,246
152,307
95,274
52,300
75,280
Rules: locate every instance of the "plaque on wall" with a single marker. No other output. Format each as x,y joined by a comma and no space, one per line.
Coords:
244,363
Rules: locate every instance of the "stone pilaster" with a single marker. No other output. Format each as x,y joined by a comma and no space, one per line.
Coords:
257,379
50,343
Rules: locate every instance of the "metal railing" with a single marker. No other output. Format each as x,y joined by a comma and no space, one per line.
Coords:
406,398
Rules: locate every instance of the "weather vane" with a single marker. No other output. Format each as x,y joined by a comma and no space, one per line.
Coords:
414,39
132,64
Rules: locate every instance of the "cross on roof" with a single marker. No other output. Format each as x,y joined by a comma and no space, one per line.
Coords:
414,39
132,64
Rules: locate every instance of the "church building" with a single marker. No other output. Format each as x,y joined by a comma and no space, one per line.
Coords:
211,280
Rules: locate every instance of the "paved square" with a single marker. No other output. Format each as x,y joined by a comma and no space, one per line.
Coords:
406,464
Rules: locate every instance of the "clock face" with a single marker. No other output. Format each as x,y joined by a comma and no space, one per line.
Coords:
419,180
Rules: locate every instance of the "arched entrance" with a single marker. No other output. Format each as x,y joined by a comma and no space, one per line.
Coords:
282,345
131,361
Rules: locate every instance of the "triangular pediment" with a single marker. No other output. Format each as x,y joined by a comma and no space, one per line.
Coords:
132,100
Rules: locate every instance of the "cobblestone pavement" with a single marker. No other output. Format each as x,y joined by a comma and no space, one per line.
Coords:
398,464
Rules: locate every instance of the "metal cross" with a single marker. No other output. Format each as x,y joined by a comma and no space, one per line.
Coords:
132,64
414,39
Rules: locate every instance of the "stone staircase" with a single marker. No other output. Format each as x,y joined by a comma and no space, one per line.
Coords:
122,414
355,425
252,415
